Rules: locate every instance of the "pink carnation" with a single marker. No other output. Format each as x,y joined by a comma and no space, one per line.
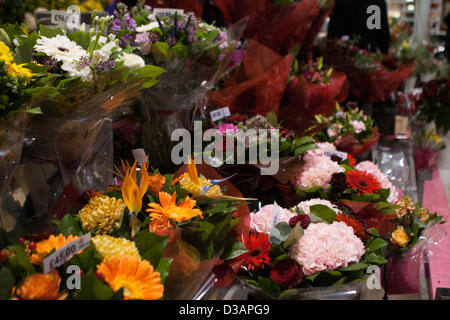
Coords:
327,247
262,220
373,169
358,125
304,205
317,172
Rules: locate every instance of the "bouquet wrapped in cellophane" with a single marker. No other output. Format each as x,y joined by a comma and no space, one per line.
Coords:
152,237
84,78
350,131
196,56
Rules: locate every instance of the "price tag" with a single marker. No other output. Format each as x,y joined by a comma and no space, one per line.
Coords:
139,155
167,12
220,114
65,253
58,17
276,214
401,125
330,153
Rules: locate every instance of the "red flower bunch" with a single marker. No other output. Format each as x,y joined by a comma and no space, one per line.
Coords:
287,273
363,182
258,247
358,227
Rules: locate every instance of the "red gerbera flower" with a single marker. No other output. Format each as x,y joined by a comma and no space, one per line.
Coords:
363,182
358,227
351,160
258,247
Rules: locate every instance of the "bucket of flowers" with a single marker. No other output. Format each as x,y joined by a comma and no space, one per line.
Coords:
426,149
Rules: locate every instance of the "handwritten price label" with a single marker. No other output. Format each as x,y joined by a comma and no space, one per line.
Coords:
65,253
220,114
166,12
330,153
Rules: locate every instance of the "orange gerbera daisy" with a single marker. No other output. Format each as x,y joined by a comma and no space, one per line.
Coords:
169,208
363,182
357,226
137,277
44,247
39,286
155,183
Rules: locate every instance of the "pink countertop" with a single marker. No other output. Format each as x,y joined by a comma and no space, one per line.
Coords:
435,200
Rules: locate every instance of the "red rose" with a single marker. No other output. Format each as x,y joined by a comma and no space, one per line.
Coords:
304,220
287,273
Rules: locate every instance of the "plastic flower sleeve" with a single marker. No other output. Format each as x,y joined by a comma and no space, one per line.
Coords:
12,136
170,104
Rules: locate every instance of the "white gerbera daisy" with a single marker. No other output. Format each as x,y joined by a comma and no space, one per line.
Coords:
61,48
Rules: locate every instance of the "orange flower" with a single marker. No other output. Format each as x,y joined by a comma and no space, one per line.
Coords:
155,183
132,193
137,278
168,208
44,247
358,227
39,286
161,225
363,182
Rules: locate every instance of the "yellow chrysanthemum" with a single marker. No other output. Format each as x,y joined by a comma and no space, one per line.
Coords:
102,214
44,247
109,247
39,286
15,70
5,53
137,278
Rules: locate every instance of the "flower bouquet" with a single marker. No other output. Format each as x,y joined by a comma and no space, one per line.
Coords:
434,103
314,89
350,131
148,239
84,78
246,166
262,70
279,26
195,54
315,250
416,232
426,149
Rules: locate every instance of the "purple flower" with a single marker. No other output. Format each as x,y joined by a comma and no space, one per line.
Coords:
52,63
154,36
236,58
84,62
171,40
130,23
143,42
126,40
192,36
106,66
116,25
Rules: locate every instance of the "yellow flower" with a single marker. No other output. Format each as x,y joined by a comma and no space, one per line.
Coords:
405,44
39,286
109,247
44,247
102,214
137,278
399,237
198,186
132,193
169,208
5,53
423,214
12,68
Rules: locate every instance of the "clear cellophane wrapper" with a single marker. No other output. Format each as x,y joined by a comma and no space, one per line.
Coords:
171,103
69,149
12,135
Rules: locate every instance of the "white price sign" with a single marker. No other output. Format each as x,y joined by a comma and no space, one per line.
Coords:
220,114
65,253
330,153
166,12
139,155
58,17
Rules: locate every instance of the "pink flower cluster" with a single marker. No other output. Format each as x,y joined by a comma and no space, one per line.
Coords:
261,221
304,205
372,168
358,125
327,247
227,128
319,152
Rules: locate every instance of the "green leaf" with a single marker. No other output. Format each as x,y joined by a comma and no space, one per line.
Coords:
272,118
320,212
279,233
164,268
303,140
92,288
376,244
6,283
70,225
49,32
20,262
295,234
86,260
151,246
233,249
302,149
23,53
312,276
354,267
375,258
269,286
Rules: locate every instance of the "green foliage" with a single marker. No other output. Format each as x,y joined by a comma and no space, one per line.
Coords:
321,213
